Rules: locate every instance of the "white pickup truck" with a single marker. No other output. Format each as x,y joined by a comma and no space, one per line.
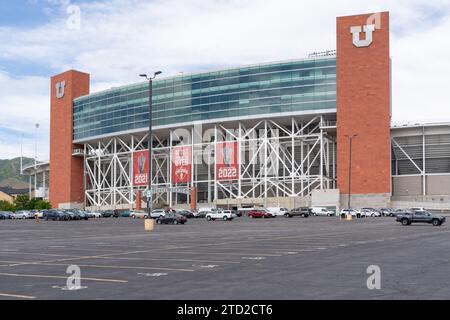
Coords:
225,215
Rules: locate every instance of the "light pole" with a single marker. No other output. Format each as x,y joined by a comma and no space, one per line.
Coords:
150,138
350,139
35,159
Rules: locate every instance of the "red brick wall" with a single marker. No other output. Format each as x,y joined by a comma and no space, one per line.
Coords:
66,172
363,107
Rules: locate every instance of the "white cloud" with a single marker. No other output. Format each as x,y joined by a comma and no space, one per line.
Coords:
24,101
119,39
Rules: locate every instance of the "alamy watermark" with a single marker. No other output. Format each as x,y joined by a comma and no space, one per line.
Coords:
71,11
74,20
374,280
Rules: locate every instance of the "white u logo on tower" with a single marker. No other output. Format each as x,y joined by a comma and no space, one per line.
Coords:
368,30
60,86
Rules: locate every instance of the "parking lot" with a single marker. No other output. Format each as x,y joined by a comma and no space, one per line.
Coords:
297,258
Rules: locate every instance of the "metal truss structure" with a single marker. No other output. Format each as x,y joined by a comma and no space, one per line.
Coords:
421,151
287,157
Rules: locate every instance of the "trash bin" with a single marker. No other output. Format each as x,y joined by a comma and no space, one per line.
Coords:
349,217
149,224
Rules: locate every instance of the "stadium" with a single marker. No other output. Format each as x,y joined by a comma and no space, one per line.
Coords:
308,131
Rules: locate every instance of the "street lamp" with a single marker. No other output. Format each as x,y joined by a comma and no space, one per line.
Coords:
35,158
350,139
150,139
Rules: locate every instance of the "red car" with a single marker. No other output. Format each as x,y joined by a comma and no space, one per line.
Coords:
260,214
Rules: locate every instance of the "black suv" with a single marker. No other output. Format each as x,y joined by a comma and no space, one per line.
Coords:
171,218
406,218
301,212
56,215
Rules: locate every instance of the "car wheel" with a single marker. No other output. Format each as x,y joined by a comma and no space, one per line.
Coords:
208,218
225,218
436,222
133,216
158,221
175,222
405,222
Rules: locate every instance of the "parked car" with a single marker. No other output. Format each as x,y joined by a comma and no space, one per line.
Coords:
278,211
72,215
352,212
107,213
260,213
56,215
245,211
20,215
387,212
321,211
203,211
139,214
161,212
81,214
225,215
125,214
406,218
300,212
199,214
95,215
39,215
237,213
5,215
186,213
370,212
171,218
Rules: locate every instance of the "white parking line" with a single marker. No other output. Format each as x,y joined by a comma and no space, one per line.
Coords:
9,295
118,267
170,259
236,253
58,277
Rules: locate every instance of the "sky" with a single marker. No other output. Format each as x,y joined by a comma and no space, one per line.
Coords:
115,40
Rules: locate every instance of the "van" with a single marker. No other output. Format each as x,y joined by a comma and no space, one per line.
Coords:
278,211
321,211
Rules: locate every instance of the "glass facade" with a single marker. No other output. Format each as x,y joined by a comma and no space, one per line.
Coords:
303,85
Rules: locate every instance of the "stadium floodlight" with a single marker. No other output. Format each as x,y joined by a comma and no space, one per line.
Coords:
150,137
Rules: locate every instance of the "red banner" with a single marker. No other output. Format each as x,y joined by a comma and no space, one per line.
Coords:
140,168
227,166
181,164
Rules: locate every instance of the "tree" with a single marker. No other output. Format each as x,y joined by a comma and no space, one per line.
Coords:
22,202
6,206
42,205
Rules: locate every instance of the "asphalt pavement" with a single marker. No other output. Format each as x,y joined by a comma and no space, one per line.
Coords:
297,258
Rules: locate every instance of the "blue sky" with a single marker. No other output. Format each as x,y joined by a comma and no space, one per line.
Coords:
22,13
117,39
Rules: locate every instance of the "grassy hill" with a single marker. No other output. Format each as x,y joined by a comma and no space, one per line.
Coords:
10,173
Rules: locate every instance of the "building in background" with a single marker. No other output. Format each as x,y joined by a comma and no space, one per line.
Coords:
268,134
5,196
39,175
